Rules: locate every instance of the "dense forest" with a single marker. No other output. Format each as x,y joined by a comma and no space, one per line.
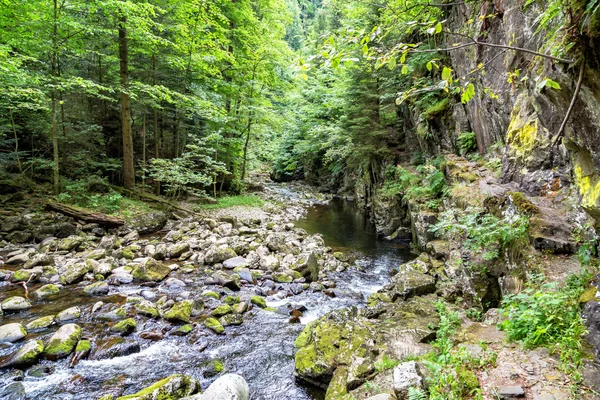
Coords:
299,199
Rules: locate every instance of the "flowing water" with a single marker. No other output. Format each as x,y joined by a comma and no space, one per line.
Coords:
261,349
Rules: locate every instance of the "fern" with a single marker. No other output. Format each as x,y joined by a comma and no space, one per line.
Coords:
416,394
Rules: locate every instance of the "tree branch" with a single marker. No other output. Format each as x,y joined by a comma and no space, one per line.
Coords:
501,46
571,106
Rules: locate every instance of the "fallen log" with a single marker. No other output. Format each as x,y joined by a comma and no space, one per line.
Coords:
92,217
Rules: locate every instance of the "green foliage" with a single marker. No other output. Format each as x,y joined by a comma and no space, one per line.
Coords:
235,201
426,184
93,193
452,369
386,363
416,394
483,232
547,314
467,142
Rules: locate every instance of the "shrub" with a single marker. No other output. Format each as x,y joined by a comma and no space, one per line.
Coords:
467,142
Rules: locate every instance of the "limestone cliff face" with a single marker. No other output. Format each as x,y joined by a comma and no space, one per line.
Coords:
523,116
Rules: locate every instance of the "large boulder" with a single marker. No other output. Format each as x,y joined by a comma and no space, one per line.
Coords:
308,266
180,312
15,304
27,355
410,283
150,222
342,338
12,332
218,254
172,388
63,342
406,376
150,270
114,346
74,273
227,387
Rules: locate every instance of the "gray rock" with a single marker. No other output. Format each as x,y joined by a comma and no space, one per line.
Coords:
12,332
18,259
69,314
131,237
15,303
74,273
235,262
14,391
227,387
97,289
406,375
510,392
150,222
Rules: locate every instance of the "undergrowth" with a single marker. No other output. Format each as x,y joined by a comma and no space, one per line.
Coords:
483,233
232,201
547,314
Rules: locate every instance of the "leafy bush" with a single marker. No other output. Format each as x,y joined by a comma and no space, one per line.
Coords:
93,192
426,183
545,314
232,201
467,142
483,232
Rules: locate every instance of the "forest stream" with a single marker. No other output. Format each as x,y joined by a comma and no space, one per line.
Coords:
260,349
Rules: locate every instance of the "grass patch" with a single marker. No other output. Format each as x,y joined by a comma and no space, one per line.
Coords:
233,201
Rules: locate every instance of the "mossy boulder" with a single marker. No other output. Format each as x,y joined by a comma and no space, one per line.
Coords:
125,327
40,323
68,314
231,300
63,342
410,283
231,319
97,289
221,310
70,243
15,304
282,277
214,325
211,294
340,338
218,254
27,275
212,368
47,291
26,356
150,270
259,301
183,330
74,273
172,388
180,312
147,308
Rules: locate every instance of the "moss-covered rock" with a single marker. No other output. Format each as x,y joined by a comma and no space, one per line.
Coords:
13,332
180,312
148,309
282,277
97,289
341,338
63,342
212,368
259,301
125,327
231,319
150,270
172,388
231,300
47,291
40,323
221,310
74,273
211,294
183,330
27,355
15,304
27,275
69,314
214,325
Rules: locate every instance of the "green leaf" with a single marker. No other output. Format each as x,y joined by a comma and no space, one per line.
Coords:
447,74
404,70
468,94
438,28
429,66
392,63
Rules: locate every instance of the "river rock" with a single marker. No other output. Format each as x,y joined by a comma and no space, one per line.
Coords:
174,387
227,387
27,355
259,301
221,310
340,338
147,308
150,270
114,346
74,273
180,312
407,284
69,314
18,259
178,249
63,342
13,391
406,375
235,262
97,289
47,291
150,222
82,350
124,327
308,266
40,323
268,263
231,281
15,304
231,319
70,243
174,283
27,275
10,333
214,325
218,254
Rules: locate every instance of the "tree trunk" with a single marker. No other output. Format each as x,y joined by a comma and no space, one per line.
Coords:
128,167
55,154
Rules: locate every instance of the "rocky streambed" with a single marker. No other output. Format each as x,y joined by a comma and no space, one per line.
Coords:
89,312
